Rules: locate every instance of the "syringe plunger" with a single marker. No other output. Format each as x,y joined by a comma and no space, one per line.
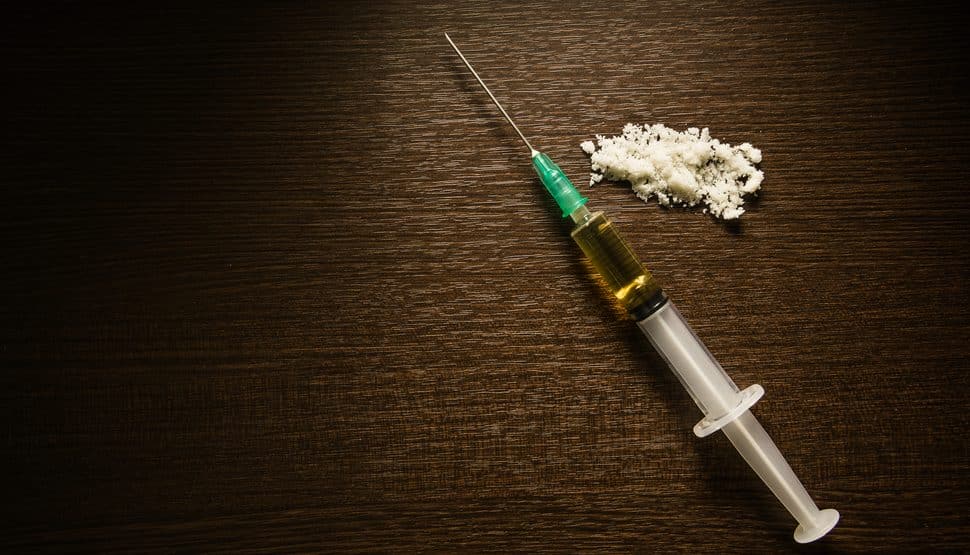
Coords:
727,409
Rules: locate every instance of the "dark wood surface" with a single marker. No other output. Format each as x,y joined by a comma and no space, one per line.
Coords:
283,280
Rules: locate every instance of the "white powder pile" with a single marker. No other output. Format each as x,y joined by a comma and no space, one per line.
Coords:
678,167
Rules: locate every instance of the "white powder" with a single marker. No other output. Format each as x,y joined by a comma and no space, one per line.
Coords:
678,167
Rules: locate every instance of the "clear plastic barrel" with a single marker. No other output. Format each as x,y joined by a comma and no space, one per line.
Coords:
698,371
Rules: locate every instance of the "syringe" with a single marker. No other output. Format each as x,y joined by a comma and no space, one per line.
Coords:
725,407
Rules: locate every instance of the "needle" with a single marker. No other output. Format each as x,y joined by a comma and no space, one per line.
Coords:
532,151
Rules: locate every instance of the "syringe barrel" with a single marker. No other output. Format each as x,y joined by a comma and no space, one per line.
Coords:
698,371
633,285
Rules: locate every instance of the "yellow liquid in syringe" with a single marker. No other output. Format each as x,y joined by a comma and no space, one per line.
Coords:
625,276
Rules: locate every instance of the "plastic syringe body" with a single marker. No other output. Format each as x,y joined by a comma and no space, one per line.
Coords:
724,406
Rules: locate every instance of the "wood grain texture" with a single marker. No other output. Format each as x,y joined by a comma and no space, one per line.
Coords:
283,280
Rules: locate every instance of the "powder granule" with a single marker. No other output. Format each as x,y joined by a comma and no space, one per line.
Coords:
686,167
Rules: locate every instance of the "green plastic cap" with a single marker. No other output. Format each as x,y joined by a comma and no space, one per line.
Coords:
562,190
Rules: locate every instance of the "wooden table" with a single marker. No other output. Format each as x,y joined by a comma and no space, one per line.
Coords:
284,280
